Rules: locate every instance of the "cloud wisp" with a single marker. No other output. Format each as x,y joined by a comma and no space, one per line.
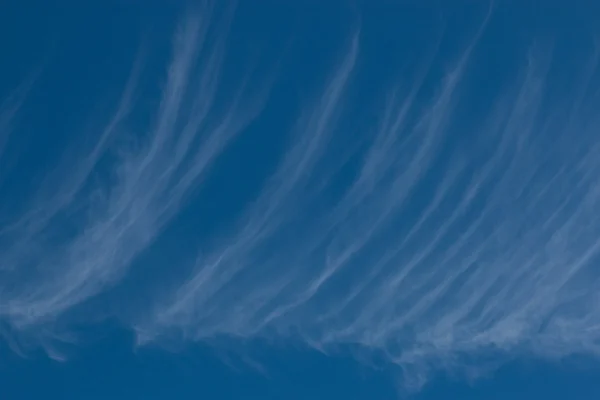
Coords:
439,238
50,271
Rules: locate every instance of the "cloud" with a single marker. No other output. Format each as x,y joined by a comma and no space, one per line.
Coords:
443,237
123,217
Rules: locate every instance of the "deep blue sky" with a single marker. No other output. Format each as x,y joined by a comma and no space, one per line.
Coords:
109,370
299,199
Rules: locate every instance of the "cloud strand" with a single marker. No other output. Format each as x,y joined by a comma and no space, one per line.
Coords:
447,238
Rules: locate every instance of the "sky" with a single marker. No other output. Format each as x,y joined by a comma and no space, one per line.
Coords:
299,199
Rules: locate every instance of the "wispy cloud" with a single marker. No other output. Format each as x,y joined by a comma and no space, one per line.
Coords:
10,108
120,220
480,262
446,238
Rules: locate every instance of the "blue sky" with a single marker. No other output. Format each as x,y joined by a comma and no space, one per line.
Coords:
299,200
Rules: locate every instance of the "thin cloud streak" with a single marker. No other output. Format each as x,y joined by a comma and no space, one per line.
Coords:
120,221
490,262
447,239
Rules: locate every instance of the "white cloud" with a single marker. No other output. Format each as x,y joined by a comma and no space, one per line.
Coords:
434,250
